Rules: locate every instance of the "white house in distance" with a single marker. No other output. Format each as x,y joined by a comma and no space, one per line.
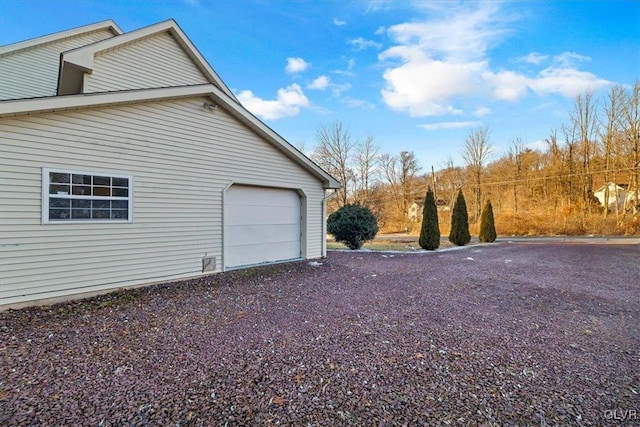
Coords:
617,194
414,211
125,160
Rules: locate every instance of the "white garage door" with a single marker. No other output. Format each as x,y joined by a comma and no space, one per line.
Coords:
260,225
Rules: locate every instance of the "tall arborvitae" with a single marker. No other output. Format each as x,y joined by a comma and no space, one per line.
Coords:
430,231
487,225
459,234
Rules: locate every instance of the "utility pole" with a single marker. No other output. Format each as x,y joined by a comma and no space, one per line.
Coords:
433,184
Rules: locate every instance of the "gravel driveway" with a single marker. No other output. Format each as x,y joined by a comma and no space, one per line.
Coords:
503,334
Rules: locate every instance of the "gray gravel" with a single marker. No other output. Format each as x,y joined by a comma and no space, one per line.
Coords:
503,334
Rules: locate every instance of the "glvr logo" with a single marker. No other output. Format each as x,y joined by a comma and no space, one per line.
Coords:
621,414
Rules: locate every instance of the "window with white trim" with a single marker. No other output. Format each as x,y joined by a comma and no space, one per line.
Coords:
72,196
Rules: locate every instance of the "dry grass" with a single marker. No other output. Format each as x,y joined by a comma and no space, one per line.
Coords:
572,224
404,244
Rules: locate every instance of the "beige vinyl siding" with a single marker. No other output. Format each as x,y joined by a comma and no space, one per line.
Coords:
155,61
181,157
33,72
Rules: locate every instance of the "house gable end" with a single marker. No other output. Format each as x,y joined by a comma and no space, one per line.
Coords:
154,61
30,68
160,55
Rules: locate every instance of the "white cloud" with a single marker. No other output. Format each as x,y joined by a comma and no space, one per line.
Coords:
321,83
506,85
377,5
324,82
380,31
481,112
423,86
358,103
351,63
569,59
296,65
461,36
440,59
337,89
568,82
362,44
287,104
339,23
534,58
449,125
436,62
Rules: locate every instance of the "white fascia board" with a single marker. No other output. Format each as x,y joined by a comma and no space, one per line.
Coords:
108,24
80,58
200,60
18,107
83,56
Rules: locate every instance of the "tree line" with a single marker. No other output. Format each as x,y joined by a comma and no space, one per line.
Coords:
549,190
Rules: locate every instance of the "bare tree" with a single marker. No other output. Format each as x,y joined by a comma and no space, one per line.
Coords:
400,173
408,169
476,153
451,178
584,120
367,160
333,153
301,147
570,144
515,155
555,167
632,132
610,132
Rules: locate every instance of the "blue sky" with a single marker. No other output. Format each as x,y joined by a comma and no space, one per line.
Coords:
416,76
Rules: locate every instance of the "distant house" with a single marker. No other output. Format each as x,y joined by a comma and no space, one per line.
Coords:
126,160
414,211
618,194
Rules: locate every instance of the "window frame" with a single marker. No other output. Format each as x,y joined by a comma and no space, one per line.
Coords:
46,196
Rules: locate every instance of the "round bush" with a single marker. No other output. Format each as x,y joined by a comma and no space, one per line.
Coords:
352,225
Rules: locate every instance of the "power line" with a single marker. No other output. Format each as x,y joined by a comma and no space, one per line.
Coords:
414,194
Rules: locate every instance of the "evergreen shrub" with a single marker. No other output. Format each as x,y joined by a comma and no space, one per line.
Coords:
352,225
430,231
459,234
487,225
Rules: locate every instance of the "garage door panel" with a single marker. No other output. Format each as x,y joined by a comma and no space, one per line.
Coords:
270,215
254,196
276,252
254,234
261,225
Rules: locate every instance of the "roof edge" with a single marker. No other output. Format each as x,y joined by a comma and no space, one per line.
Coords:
258,126
82,57
21,107
26,106
25,44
